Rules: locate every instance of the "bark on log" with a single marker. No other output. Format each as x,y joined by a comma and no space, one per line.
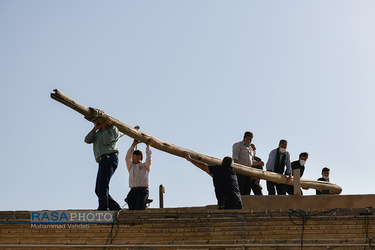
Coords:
93,115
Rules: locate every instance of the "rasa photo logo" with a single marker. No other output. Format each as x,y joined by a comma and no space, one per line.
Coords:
71,217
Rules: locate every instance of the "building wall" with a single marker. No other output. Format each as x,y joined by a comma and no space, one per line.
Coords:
307,201
198,228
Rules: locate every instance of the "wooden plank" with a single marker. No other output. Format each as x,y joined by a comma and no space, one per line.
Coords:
93,115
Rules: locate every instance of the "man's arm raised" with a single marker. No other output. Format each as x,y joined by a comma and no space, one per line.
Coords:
199,164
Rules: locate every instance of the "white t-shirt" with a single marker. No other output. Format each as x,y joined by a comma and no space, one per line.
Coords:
138,173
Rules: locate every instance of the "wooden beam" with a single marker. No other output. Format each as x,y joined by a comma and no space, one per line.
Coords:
93,115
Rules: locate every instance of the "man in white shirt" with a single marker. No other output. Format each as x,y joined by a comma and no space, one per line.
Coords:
242,153
138,176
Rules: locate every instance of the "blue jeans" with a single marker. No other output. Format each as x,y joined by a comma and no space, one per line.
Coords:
107,167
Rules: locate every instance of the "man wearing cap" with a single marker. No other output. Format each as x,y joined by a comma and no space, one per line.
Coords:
278,159
242,153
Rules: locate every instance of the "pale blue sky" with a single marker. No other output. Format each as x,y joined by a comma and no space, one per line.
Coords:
197,74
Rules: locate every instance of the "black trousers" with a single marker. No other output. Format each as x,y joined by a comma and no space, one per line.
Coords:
256,188
246,184
290,190
137,198
107,167
225,203
272,187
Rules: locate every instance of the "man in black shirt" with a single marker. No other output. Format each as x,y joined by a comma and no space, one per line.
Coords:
325,177
225,182
300,164
255,182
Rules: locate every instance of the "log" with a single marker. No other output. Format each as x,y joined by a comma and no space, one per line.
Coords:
94,115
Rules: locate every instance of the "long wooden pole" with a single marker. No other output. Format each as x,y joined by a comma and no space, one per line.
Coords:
93,115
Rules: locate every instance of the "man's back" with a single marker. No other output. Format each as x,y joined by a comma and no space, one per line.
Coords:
226,186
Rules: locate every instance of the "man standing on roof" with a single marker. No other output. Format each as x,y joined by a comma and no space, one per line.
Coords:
138,176
242,153
225,182
255,182
104,137
300,164
278,159
325,177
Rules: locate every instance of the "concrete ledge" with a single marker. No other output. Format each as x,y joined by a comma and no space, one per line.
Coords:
254,203
307,201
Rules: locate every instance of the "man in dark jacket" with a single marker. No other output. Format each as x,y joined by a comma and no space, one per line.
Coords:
225,182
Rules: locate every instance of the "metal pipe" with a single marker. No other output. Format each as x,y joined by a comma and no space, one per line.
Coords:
161,196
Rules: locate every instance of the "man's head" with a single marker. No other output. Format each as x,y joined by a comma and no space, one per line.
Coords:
283,145
227,161
303,158
325,173
247,138
137,156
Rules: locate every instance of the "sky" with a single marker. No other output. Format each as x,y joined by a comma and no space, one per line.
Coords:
197,74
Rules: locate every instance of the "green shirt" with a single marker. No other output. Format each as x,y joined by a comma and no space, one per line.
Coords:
105,142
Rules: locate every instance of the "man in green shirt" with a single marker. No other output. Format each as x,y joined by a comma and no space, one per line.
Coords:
104,137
